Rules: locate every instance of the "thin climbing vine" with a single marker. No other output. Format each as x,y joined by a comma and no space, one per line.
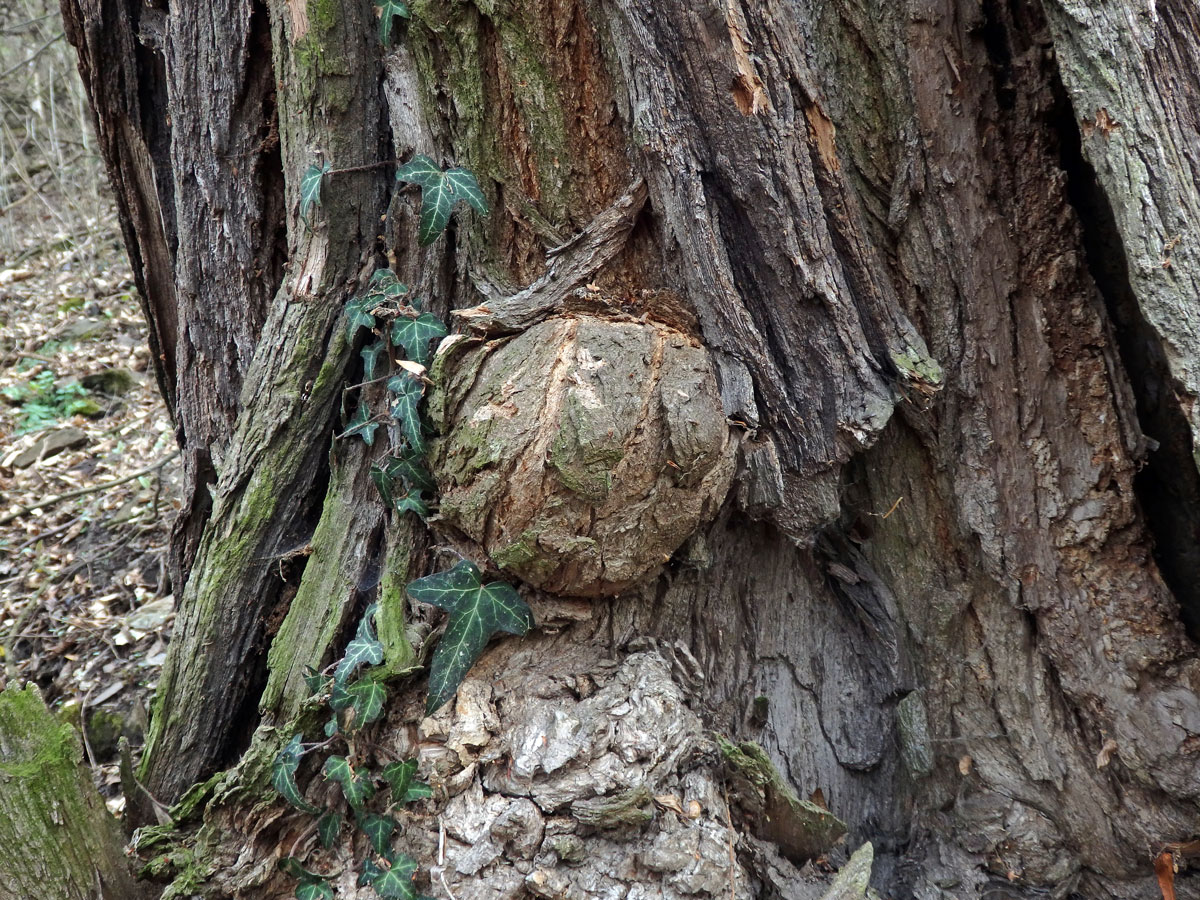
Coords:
403,339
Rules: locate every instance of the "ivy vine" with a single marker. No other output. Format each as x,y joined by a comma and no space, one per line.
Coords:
402,343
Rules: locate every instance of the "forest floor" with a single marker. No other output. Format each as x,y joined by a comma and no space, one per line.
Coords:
88,485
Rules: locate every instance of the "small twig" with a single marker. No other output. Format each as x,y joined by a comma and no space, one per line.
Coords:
83,492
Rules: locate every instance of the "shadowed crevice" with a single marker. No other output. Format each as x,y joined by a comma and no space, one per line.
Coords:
1168,485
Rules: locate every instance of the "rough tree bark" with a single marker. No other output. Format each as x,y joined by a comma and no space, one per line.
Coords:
941,255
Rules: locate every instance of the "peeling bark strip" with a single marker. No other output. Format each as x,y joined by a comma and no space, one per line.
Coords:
940,255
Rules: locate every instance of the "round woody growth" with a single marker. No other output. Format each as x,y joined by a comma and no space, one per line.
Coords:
582,452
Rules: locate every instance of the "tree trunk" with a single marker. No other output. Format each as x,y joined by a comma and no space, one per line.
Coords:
58,840
939,256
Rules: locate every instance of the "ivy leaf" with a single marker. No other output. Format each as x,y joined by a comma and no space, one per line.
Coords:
405,408
379,830
404,788
384,285
314,889
412,502
289,865
362,425
331,727
370,871
283,775
462,182
365,649
420,170
388,9
367,696
370,355
310,187
413,335
340,697
396,883
477,611
314,680
358,313
356,790
329,826
408,470
439,192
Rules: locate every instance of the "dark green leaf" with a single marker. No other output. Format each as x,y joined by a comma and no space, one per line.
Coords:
464,185
362,425
289,865
399,775
412,502
396,883
379,830
369,696
355,789
365,649
314,889
408,469
329,826
358,313
388,9
370,355
340,697
413,335
420,170
310,187
477,611
437,201
283,775
331,727
407,391
314,680
385,286
370,871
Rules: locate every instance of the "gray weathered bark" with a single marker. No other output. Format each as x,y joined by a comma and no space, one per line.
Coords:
939,253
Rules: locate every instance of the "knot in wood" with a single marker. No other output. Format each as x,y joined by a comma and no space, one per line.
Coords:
582,452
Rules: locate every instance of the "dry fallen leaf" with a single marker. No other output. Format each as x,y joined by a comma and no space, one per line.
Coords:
1105,754
1164,868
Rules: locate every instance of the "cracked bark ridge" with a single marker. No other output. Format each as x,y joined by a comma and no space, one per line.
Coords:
583,452
626,768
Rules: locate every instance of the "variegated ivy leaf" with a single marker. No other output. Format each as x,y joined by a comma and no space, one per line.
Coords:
405,788
477,611
407,391
283,775
396,882
310,187
355,789
314,680
379,831
329,826
370,355
413,503
358,313
314,890
365,649
414,335
388,10
419,170
362,425
439,192
384,285
367,698
408,469
463,183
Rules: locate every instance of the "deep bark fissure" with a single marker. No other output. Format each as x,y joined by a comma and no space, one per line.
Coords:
1168,485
